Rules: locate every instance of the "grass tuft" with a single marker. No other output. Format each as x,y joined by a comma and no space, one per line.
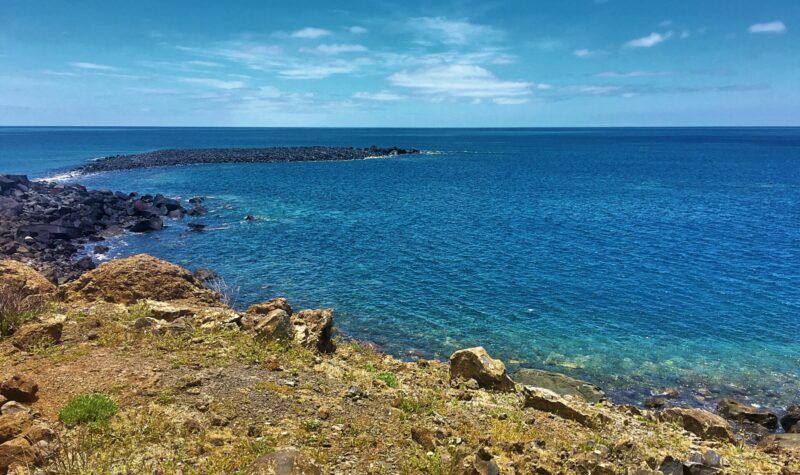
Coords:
92,409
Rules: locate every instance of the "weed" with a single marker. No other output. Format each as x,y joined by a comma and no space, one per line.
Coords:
389,378
92,409
311,425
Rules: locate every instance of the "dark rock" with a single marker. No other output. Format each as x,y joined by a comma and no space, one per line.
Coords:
100,249
791,421
147,224
204,275
85,263
198,211
485,463
249,217
19,388
743,413
699,422
196,227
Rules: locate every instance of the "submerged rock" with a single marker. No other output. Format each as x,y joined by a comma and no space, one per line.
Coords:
560,384
475,363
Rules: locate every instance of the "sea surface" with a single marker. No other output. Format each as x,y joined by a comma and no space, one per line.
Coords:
634,258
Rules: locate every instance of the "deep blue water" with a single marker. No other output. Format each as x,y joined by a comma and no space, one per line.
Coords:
634,258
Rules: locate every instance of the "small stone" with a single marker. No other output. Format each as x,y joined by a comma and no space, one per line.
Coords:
13,407
355,393
424,437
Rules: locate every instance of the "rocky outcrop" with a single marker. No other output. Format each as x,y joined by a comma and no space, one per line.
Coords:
745,414
791,420
38,335
699,422
276,325
19,388
267,307
136,278
47,224
314,329
175,157
547,401
475,363
23,280
560,384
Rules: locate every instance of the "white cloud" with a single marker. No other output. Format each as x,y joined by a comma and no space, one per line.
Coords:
586,53
460,81
649,41
214,83
381,96
453,32
357,30
631,74
771,27
310,32
321,71
340,48
92,66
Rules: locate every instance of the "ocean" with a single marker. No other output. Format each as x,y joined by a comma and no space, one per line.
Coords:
635,258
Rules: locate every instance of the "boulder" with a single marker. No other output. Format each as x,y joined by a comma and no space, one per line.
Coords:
136,278
19,388
16,451
204,275
743,413
699,422
166,311
787,443
287,461
37,334
147,224
13,407
560,384
314,328
23,280
13,425
267,307
276,325
475,363
547,401
791,421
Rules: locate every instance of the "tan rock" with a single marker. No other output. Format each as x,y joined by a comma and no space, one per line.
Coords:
13,425
475,363
699,422
735,410
276,325
36,334
16,451
314,328
136,278
23,279
267,307
547,401
19,388
424,437
286,461
166,311
786,443
560,384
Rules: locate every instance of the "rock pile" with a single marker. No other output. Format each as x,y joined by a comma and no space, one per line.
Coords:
24,440
46,224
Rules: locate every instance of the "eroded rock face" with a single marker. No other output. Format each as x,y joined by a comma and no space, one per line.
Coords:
547,401
37,334
19,388
560,384
276,325
13,425
742,413
267,307
699,422
791,421
16,451
23,280
314,328
475,363
139,277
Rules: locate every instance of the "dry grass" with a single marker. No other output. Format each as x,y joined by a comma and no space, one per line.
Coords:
15,309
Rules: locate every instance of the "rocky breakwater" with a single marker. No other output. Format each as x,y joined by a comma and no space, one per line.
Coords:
47,224
174,157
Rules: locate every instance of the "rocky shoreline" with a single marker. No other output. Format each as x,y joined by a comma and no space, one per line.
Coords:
48,224
175,157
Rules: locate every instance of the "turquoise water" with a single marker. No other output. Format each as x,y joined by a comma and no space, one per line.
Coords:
634,258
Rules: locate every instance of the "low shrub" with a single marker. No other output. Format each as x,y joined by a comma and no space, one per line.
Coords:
93,409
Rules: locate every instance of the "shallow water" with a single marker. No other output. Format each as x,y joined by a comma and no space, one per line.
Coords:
634,258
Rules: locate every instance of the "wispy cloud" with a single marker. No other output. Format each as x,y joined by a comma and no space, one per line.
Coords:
380,96
314,71
586,53
648,41
357,30
453,32
214,83
631,74
771,27
92,66
461,81
340,48
310,32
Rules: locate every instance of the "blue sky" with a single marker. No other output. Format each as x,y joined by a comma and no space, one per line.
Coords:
384,63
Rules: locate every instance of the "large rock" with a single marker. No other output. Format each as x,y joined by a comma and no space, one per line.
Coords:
166,311
139,277
791,421
314,329
19,388
276,325
16,451
37,334
13,425
267,307
560,384
23,280
742,413
789,443
547,401
475,363
699,422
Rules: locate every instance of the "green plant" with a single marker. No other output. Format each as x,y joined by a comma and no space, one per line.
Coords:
93,409
311,425
389,378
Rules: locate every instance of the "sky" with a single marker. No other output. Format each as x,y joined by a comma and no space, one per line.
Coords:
400,64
